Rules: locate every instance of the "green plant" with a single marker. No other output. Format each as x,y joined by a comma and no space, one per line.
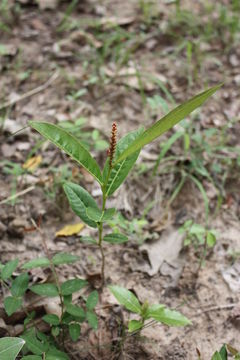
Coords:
206,154
155,312
71,315
198,236
15,170
121,157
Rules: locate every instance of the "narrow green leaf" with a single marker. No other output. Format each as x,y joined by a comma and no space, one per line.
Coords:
12,304
74,331
32,357
20,285
10,347
51,319
92,300
120,170
216,356
126,298
92,319
32,264
134,325
80,200
70,145
167,122
115,238
36,346
76,311
223,353
73,285
64,258
45,290
169,317
8,269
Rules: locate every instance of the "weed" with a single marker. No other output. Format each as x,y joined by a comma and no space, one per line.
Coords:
156,312
198,236
122,155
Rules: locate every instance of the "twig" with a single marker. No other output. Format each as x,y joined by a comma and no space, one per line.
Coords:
217,308
12,197
31,92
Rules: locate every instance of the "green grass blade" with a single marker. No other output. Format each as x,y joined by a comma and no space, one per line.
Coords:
167,122
70,145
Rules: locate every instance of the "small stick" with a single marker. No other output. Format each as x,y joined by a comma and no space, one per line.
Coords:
12,197
217,308
31,92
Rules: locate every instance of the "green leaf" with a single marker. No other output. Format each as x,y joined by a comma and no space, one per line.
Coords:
45,290
10,347
55,354
8,269
51,319
40,262
92,300
168,317
32,357
223,353
74,331
134,325
76,311
167,122
216,356
88,240
12,304
70,145
55,331
115,238
36,346
20,285
71,286
126,298
120,170
92,319
94,214
64,258
211,239
80,200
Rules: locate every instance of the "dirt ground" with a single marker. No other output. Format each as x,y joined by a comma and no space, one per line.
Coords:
103,63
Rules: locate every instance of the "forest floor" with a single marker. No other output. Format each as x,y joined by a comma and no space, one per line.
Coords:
128,62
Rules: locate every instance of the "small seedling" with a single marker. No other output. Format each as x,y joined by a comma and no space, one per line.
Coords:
198,236
122,155
157,312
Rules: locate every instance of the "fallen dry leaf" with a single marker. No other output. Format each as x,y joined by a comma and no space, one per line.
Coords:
32,163
69,230
165,250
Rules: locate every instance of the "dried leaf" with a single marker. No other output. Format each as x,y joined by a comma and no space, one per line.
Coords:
32,163
70,230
